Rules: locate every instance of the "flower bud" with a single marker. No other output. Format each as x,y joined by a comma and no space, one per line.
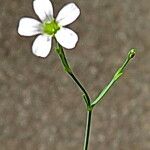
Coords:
131,53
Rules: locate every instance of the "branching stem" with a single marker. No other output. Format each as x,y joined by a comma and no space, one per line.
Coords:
90,104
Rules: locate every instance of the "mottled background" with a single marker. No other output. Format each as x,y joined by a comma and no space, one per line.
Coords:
41,108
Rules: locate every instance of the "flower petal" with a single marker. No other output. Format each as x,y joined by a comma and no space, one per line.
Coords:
68,14
42,45
43,8
28,27
67,38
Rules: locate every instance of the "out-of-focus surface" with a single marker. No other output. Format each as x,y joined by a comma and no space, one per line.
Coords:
41,108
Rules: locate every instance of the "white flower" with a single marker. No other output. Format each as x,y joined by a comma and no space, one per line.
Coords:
49,27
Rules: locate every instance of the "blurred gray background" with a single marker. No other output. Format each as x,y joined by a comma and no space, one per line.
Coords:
41,108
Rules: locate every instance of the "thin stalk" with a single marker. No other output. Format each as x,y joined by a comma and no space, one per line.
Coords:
67,68
87,130
81,88
90,105
117,75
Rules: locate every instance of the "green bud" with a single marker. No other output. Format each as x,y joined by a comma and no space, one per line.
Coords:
131,53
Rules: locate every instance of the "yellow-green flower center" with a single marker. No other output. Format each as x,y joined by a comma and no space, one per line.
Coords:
50,27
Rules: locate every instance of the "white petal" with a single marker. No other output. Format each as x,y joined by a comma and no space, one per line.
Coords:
67,38
42,45
68,14
29,27
43,8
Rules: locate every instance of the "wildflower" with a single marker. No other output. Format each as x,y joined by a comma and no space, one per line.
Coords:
50,27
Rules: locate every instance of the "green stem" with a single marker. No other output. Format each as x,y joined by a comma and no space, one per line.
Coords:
89,105
117,75
87,130
85,94
67,68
